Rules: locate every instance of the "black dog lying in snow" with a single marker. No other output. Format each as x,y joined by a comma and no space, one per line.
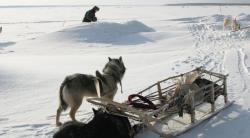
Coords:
103,125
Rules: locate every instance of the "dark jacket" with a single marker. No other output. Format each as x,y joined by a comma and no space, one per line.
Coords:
90,15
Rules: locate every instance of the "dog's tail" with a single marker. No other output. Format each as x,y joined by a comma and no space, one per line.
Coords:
63,104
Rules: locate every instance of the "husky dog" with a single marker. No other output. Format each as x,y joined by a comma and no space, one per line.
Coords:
235,25
184,89
77,86
188,85
103,125
231,21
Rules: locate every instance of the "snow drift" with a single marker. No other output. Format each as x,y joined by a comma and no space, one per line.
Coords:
106,32
98,35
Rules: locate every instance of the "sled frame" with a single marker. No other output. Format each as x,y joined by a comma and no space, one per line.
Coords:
167,107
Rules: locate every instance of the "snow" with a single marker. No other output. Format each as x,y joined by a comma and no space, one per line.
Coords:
39,46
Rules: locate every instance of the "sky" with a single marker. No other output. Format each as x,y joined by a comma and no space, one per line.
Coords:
109,2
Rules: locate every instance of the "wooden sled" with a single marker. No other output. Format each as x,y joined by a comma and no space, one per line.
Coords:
165,120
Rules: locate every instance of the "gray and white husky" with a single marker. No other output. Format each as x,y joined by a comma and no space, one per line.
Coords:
77,86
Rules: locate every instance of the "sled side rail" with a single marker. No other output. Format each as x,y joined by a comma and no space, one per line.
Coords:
218,75
122,109
169,78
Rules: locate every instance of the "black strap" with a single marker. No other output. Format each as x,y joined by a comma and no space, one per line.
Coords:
143,102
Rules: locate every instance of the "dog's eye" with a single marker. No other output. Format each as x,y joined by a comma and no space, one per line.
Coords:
118,61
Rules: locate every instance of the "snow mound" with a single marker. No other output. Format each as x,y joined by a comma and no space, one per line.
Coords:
5,44
215,18
218,18
243,17
107,32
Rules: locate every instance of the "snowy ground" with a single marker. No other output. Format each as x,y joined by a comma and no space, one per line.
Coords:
39,46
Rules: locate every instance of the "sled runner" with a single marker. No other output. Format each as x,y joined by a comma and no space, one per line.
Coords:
170,108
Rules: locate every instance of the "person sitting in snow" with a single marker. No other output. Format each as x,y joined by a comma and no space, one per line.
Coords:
90,15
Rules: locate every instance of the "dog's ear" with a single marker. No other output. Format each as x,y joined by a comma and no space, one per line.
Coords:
109,59
98,74
94,111
120,58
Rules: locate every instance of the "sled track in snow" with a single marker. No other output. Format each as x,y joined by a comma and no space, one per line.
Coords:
207,43
243,69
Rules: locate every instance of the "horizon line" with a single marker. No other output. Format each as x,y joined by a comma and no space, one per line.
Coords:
208,4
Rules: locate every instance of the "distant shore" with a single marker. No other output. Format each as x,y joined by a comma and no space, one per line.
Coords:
209,4
138,5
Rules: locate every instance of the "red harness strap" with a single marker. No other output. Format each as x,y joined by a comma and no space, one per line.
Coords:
144,103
